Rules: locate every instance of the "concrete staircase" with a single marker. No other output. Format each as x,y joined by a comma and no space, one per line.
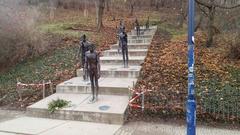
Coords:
114,83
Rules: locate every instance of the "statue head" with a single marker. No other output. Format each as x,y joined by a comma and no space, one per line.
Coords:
121,22
83,37
92,48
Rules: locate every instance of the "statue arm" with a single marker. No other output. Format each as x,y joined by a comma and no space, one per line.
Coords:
126,38
86,62
98,66
79,50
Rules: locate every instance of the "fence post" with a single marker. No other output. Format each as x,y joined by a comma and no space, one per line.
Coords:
51,86
43,85
18,90
142,101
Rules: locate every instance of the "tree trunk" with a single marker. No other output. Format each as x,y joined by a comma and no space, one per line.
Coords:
210,26
85,12
107,5
199,23
181,15
52,6
100,9
132,7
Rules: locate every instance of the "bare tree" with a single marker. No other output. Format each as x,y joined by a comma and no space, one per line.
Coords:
100,9
131,4
211,6
108,5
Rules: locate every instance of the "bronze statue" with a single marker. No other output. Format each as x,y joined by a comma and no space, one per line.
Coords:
92,66
120,30
121,27
147,24
137,25
83,48
123,42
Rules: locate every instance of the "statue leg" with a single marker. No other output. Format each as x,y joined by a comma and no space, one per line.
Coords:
92,86
96,85
83,61
123,54
126,52
119,46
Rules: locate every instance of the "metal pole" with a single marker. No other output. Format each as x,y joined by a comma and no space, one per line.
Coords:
191,102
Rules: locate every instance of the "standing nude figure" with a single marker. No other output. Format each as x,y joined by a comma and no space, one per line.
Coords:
92,66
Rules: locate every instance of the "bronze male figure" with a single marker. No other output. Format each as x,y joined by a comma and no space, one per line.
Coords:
120,30
137,26
124,41
147,24
83,48
92,65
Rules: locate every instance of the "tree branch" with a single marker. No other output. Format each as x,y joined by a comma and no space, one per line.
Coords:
205,4
204,12
220,6
208,5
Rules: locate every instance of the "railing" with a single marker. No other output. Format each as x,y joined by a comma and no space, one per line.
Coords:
220,105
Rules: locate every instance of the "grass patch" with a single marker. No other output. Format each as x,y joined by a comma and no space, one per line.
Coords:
37,69
175,32
62,29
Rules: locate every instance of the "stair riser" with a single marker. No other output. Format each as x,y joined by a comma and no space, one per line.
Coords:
132,47
77,116
139,41
142,32
115,74
120,62
140,37
87,90
142,53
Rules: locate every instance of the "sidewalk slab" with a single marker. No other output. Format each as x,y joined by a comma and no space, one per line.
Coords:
83,128
43,126
29,125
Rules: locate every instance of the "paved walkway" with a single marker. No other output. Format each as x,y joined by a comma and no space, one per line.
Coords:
149,128
75,127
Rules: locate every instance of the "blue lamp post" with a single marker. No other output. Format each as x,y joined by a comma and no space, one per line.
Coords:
191,102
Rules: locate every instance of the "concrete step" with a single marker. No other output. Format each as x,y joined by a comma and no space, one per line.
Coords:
108,109
107,86
142,40
133,60
133,46
131,52
149,36
150,27
116,71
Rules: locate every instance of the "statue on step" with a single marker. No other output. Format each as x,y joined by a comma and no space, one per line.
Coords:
120,30
124,47
92,66
121,27
137,26
147,24
83,48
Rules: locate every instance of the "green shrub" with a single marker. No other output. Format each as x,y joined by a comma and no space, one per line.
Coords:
57,104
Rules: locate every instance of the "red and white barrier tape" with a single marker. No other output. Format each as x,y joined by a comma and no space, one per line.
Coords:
32,84
136,95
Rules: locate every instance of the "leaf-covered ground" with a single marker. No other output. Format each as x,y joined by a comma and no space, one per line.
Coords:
165,72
